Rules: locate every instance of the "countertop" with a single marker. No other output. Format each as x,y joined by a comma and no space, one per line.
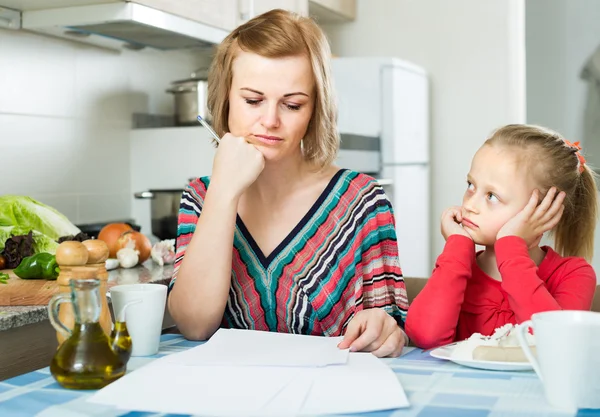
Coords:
11,317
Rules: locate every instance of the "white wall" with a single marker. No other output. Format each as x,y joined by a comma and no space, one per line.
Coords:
66,115
473,51
560,37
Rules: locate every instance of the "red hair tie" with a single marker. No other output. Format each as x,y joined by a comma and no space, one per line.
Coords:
577,148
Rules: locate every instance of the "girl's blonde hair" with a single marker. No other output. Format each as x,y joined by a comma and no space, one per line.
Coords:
277,34
552,161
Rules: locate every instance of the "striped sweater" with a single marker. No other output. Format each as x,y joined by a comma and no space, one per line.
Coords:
341,258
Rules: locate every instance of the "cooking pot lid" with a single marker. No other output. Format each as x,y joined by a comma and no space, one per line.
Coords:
200,74
196,76
167,190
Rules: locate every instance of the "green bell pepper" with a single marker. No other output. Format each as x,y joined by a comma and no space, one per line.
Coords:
40,265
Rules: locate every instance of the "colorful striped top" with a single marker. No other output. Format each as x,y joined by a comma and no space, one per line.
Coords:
341,258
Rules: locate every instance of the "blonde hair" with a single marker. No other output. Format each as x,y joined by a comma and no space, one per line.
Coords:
277,34
551,161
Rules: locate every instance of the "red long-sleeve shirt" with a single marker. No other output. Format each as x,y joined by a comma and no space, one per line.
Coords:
460,299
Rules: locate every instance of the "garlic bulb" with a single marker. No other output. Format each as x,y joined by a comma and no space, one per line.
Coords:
164,252
128,257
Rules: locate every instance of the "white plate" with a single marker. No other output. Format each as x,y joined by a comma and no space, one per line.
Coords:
445,352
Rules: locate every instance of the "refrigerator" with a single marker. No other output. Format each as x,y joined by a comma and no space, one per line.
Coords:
383,103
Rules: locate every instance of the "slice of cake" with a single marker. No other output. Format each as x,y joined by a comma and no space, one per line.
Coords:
502,346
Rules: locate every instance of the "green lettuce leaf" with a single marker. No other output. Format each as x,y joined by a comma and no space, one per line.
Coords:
20,214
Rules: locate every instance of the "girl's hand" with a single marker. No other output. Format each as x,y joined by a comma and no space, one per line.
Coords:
237,164
373,330
534,220
450,224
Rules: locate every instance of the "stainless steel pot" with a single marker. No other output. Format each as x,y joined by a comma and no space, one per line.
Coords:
164,210
190,98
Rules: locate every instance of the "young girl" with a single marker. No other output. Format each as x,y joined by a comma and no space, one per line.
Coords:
524,181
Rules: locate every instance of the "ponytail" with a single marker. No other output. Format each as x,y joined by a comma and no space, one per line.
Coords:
574,234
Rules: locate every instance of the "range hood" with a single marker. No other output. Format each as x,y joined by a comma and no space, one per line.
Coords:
118,25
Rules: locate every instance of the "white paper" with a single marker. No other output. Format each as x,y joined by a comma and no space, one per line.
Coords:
257,348
362,383
164,387
365,384
290,399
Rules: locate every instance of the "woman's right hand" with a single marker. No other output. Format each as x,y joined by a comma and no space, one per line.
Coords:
237,164
450,224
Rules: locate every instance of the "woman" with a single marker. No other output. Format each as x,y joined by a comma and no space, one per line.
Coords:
314,246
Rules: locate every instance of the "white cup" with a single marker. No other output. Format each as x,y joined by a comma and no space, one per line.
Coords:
568,356
144,319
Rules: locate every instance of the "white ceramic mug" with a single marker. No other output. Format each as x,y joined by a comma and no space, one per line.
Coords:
144,319
568,356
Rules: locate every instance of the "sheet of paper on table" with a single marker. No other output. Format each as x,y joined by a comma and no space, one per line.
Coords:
255,348
255,386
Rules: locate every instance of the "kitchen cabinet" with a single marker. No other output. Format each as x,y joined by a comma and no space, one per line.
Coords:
323,11
218,13
332,11
159,24
297,6
251,8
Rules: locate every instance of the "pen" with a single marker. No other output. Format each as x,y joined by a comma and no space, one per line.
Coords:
210,129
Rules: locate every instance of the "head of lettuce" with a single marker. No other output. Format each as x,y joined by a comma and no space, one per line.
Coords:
19,215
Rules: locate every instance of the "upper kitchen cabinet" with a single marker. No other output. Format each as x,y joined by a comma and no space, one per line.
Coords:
251,8
160,24
324,11
332,11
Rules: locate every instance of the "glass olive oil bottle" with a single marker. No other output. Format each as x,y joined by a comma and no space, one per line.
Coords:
86,359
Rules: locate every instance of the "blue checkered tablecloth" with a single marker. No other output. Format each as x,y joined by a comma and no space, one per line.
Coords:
434,388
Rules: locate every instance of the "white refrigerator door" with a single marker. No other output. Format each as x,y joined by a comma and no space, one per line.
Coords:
357,84
405,116
410,201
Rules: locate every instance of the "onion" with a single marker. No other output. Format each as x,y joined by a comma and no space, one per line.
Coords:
110,234
71,253
97,250
140,243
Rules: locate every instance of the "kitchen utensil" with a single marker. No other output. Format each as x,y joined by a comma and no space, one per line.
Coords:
26,292
190,97
164,210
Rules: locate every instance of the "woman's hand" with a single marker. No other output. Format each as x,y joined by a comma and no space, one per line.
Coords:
237,164
534,220
450,224
374,330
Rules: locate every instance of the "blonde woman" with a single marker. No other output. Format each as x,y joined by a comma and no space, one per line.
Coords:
278,238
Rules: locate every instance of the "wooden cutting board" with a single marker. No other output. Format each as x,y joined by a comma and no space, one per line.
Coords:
26,292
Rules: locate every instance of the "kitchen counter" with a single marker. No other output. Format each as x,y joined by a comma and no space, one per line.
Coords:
12,317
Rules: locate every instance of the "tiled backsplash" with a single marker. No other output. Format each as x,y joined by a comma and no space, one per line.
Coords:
65,119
